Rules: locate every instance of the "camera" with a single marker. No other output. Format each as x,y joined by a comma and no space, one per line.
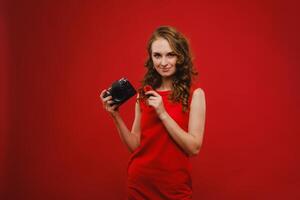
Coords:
120,90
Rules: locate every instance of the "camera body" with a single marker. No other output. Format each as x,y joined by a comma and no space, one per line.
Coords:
120,90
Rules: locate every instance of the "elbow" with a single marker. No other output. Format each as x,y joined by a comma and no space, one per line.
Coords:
195,151
195,147
133,148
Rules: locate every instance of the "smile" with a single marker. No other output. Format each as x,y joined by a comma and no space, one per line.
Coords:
165,68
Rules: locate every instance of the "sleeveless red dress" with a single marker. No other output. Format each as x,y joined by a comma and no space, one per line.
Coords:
159,168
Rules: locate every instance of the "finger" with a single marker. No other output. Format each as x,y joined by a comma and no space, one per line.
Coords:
102,93
114,107
108,107
152,92
151,101
151,104
105,106
109,102
107,98
152,98
148,102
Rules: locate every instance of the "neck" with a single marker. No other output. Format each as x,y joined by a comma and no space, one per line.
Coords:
166,84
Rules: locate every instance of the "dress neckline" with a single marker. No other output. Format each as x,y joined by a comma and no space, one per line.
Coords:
163,91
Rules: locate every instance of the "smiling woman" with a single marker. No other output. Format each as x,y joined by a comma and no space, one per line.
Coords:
169,121
164,59
169,64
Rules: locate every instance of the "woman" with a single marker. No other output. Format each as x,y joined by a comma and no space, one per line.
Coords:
169,121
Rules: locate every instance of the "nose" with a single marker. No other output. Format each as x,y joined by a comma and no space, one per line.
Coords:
164,61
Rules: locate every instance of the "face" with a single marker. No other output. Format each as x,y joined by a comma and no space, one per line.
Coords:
163,57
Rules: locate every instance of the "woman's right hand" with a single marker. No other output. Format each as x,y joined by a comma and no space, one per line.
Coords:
106,101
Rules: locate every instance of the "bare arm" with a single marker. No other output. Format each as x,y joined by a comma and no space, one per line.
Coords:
130,138
190,141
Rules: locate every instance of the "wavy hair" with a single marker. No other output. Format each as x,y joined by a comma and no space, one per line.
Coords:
182,79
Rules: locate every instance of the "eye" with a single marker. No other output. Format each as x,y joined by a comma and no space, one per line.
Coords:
171,55
156,55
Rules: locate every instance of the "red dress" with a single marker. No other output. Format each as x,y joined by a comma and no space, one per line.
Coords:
159,168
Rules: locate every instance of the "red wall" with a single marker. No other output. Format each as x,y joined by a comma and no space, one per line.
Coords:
4,101
58,143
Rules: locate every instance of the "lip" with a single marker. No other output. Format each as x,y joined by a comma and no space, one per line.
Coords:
165,69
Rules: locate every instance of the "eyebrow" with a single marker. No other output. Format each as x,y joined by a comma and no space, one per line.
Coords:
171,52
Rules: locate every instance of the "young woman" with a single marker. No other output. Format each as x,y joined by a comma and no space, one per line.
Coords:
169,121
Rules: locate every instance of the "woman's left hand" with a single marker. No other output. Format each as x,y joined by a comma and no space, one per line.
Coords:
155,100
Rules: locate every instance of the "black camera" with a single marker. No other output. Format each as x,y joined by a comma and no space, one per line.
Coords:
121,90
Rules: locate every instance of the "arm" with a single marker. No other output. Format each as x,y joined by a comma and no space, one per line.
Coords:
130,138
190,141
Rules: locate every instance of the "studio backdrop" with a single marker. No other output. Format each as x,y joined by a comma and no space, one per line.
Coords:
57,142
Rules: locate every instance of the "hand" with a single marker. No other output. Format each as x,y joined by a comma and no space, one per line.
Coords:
155,100
112,109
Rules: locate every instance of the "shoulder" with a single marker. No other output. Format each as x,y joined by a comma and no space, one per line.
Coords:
198,92
198,96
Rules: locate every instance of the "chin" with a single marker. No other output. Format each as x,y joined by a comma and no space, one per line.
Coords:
167,74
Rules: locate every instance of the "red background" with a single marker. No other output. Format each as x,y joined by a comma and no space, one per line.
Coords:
58,143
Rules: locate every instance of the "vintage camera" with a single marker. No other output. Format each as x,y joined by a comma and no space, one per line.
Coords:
120,90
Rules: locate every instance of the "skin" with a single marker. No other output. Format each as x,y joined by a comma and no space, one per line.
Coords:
164,61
